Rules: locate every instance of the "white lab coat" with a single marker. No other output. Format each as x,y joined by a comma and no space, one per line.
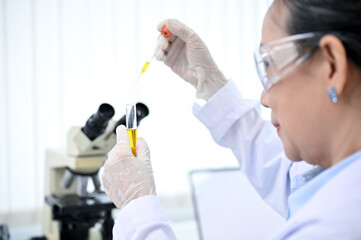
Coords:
334,212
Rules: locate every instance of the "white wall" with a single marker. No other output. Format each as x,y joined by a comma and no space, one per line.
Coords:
60,59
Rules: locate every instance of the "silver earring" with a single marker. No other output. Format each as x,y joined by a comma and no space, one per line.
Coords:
332,94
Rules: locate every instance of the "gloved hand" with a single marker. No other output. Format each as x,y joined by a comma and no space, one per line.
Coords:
126,177
187,55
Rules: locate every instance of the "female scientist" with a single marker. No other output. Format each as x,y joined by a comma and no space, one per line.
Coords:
309,63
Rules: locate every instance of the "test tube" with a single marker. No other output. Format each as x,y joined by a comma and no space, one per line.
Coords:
131,125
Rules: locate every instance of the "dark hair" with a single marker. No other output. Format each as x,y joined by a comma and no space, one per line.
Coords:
341,18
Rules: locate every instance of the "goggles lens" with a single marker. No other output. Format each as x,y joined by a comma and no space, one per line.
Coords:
276,59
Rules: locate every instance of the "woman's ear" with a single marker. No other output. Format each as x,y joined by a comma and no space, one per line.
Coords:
335,58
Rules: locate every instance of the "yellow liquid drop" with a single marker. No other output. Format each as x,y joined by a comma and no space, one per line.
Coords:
132,134
144,68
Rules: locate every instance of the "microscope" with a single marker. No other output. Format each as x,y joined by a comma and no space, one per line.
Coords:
71,210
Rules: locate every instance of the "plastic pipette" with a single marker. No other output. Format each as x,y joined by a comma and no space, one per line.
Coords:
167,34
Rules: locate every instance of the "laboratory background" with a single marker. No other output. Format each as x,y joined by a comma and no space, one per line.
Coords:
61,59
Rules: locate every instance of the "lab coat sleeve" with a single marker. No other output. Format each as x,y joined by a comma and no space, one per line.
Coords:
237,124
142,219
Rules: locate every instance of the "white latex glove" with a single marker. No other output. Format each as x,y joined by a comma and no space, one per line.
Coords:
187,55
126,177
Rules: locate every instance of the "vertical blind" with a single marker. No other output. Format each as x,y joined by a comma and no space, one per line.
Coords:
60,59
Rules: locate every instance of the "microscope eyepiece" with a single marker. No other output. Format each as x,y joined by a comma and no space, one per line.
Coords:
97,123
142,111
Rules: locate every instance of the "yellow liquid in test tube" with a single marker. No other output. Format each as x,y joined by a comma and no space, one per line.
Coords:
132,134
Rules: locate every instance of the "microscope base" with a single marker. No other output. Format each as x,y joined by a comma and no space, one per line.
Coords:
76,216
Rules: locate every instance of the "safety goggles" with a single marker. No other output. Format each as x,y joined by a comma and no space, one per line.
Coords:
276,59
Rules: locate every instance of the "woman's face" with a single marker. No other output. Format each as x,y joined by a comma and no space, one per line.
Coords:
298,101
